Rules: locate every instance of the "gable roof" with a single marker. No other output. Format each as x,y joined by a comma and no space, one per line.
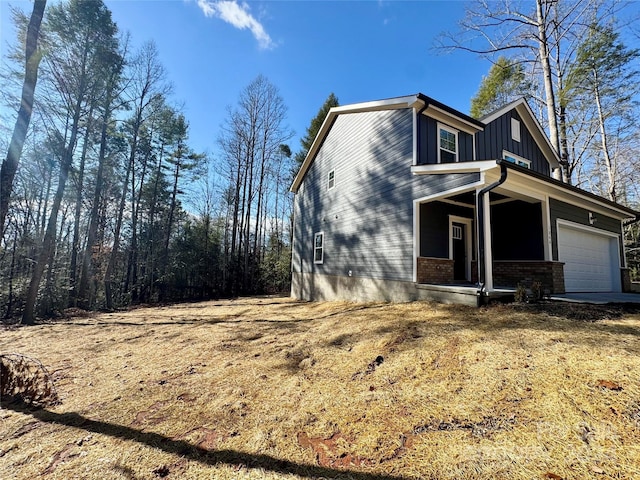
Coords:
533,126
419,101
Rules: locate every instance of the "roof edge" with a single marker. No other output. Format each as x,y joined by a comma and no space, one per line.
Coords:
395,103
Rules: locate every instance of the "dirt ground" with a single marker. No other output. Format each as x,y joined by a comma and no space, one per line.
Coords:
273,388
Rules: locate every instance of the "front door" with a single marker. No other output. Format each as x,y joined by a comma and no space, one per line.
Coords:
459,250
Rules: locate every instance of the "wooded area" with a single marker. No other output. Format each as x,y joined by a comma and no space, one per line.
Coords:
104,204
574,63
108,205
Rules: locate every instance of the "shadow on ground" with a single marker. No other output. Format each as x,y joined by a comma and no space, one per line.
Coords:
192,452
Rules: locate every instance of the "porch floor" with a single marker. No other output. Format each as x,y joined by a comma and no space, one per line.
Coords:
466,293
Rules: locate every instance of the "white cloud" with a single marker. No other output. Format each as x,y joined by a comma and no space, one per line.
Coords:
237,15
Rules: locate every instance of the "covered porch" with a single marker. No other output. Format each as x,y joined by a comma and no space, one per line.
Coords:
486,241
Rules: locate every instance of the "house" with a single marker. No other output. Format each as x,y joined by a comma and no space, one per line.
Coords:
407,198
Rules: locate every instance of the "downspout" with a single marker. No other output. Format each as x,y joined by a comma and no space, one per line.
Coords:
481,228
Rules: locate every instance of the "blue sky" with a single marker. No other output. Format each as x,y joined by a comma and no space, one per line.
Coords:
360,50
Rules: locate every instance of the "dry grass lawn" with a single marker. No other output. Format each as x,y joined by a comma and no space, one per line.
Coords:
273,388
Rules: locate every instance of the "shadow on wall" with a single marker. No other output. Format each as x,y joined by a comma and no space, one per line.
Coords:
369,230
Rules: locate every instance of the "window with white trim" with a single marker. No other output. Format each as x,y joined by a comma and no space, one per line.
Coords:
331,180
456,232
515,130
447,144
521,162
318,247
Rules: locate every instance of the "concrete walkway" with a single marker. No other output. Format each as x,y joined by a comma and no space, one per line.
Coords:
598,298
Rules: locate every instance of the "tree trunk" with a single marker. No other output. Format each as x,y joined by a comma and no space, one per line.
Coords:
75,246
44,257
86,270
543,48
608,162
32,61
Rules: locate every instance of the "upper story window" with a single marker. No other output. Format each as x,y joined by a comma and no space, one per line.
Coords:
331,180
318,247
447,144
510,157
515,130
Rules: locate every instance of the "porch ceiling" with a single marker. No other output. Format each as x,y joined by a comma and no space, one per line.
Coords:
469,198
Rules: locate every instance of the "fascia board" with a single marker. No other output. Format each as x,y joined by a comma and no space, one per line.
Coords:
459,167
452,120
535,187
378,105
533,126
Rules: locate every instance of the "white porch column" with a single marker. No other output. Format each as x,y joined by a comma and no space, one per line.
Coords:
546,228
488,252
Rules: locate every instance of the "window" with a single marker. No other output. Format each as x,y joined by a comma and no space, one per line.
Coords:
510,157
318,247
331,180
515,130
448,144
456,232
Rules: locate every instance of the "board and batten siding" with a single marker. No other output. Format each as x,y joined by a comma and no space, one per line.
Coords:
572,213
367,218
429,142
497,137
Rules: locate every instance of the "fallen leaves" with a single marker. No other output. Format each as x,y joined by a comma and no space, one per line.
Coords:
609,385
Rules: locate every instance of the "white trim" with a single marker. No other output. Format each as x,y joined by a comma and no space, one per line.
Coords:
454,132
321,261
515,130
468,241
459,167
488,250
454,191
546,229
587,228
443,116
389,104
533,126
507,153
415,136
524,182
416,238
624,247
615,273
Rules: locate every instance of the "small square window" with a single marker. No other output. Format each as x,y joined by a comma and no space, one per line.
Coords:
456,233
318,247
515,130
448,145
331,181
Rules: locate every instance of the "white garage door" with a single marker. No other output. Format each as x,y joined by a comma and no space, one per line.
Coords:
590,260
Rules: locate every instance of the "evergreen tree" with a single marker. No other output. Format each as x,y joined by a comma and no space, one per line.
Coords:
603,76
314,127
504,83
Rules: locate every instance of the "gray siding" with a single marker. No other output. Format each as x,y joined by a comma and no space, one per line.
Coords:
434,227
367,219
496,137
565,211
428,142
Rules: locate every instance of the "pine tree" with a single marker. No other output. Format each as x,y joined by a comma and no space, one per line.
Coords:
314,127
504,83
